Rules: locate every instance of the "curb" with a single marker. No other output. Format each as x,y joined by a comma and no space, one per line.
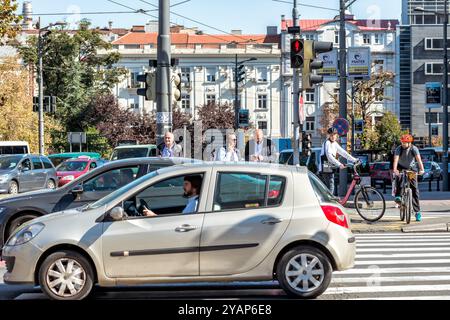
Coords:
438,227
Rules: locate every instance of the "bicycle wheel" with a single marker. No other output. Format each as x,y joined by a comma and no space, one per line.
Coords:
402,212
370,204
408,206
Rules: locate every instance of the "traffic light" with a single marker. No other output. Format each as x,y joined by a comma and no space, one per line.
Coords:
297,53
240,74
149,90
311,62
244,118
306,144
175,80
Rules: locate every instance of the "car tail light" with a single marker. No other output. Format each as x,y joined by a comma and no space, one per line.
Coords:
335,215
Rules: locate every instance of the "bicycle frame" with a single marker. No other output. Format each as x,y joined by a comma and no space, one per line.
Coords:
356,181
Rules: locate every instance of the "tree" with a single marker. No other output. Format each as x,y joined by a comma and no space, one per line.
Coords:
74,70
8,20
216,116
17,119
386,135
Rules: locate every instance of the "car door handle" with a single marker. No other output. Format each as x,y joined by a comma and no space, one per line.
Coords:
271,221
185,228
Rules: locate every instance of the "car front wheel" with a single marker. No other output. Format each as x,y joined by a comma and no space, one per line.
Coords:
13,188
304,272
66,275
51,184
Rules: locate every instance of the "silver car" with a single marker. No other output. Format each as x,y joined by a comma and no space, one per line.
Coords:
250,222
26,172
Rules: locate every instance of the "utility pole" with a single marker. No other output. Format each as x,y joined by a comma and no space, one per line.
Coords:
445,122
41,93
296,94
163,98
342,89
236,94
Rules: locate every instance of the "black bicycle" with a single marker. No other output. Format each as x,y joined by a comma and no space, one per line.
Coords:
406,206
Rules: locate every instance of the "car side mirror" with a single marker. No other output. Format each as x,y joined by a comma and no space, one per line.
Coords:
77,190
24,169
117,214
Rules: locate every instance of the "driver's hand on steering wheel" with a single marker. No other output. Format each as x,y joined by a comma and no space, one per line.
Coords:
149,213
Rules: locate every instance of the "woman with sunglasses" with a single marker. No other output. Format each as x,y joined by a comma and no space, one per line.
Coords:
230,153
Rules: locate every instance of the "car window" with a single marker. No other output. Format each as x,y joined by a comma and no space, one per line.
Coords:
68,166
37,164
26,164
93,165
321,191
47,163
111,180
240,191
128,153
9,162
276,189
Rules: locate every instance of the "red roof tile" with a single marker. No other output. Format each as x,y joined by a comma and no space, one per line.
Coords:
314,24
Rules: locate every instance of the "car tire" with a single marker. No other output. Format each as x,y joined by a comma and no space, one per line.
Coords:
17,222
322,269
57,288
13,187
50,184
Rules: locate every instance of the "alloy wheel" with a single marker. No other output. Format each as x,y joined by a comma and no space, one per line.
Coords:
305,273
66,277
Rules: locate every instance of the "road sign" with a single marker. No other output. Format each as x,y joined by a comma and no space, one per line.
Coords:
342,126
433,95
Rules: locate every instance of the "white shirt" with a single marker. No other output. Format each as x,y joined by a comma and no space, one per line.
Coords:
227,156
191,206
331,149
258,148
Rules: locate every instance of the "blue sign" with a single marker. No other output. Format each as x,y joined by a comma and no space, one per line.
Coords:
342,126
433,95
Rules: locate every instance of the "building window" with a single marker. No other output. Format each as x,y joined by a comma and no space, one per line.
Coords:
431,116
310,123
378,38
262,125
133,80
429,19
132,46
261,74
435,44
186,74
309,36
434,131
211,74
366,38
310,96
262,101
336,94
336,37
210,99
134,105
433,68
379,66
185,101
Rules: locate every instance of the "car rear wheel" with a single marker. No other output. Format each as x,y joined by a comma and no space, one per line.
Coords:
13,188
66,275
51,184
304,272
17,222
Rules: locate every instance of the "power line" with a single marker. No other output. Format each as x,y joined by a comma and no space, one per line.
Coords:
309,6
90,13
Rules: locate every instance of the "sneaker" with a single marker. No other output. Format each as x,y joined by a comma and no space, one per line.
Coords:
398,200
418,216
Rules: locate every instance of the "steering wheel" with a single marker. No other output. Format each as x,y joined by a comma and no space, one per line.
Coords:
142,205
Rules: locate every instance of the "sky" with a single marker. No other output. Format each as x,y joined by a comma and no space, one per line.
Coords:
250,16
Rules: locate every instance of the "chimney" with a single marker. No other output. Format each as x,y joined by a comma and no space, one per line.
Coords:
27,12
110,25
272,30
236,32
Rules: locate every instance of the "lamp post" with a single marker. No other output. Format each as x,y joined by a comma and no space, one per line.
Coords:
41,82
445,91
237,105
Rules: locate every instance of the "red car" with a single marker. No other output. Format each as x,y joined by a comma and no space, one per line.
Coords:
381,171
71,169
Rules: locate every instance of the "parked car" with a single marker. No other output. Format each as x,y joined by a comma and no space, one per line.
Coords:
71,169
59,158
381,173
20,173
87,188
432,171
133,151
14,147
312,161
241,231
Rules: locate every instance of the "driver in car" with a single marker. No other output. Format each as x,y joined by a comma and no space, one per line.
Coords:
191,187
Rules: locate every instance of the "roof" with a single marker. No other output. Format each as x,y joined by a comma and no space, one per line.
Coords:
145,38
363,25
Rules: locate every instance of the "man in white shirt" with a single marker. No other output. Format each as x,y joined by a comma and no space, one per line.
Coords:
192,186
260,149
231,153
170,149
328,158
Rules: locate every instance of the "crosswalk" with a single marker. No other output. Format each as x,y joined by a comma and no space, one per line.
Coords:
392,266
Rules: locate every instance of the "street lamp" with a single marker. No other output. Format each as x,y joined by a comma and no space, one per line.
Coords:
445,94
237,106
41,82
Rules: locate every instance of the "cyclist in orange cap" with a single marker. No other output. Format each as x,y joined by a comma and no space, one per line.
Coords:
405,157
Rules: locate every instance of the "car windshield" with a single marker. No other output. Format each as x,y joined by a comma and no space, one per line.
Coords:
119,192
322,192
9,162
72,166
381,166
128,153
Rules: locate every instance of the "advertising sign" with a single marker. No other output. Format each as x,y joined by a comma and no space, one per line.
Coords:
330,64
359,63
433,95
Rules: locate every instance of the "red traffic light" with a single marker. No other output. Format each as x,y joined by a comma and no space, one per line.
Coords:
297,46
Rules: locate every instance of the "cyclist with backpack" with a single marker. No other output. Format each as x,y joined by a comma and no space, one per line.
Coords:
404,158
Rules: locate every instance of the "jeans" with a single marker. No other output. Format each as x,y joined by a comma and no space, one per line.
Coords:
414,188
328,179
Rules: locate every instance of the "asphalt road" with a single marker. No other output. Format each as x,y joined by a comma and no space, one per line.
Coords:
388,266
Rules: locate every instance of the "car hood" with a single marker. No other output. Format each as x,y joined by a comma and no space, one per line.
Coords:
69,173
28,196
57,215
2,172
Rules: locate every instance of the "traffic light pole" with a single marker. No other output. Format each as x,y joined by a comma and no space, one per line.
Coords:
342,89
296,95
236,95
163,97
445,108
41,94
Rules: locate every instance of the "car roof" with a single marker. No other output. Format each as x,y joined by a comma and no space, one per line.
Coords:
151,146
292,150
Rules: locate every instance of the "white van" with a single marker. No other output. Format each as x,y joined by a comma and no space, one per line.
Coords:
14,147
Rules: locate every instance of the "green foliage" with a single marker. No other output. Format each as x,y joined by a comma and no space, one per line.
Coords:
8,20
385,135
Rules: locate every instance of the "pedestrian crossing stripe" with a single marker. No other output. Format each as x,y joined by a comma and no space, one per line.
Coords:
384,279
411,270
383,289
394,245
406,255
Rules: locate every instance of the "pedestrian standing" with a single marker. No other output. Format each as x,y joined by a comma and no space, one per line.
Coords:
230,153
260,149
169,148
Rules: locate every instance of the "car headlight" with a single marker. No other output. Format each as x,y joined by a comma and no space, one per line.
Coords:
3,178
26,234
